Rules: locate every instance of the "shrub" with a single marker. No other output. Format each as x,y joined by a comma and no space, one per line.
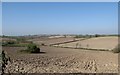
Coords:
32,48
10,42
116,49
78,36
6,43
42,44
96,35
20,39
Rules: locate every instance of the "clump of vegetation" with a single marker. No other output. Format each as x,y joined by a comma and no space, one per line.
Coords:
116,49
84,36
14,44
18,42
32,48
8,43
92,36
97,35
79,36
42,44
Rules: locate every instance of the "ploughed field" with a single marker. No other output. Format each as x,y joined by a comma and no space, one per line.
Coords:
65,60
50,41
61,60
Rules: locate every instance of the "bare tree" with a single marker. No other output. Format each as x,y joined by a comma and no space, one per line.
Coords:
77,45
80,45
87,45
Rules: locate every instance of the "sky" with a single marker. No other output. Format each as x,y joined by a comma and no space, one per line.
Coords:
31,18
60,0
0,18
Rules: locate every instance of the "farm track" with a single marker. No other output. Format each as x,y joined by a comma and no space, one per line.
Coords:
61,60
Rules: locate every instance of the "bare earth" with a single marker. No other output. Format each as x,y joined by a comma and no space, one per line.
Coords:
62,60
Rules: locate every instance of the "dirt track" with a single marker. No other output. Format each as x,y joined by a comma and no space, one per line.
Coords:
62,60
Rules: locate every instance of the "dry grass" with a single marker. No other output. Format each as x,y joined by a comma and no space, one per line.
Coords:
107,43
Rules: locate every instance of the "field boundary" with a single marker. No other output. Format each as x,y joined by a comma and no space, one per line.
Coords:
92,49
69,41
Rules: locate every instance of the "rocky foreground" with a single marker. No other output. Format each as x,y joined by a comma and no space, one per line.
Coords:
60,60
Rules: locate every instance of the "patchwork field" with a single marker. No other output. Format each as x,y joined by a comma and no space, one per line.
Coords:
65,60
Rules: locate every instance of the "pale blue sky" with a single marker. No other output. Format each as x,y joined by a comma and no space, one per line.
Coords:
0,18
59,0
60,18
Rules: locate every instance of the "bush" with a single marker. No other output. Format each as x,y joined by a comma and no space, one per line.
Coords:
42,44
79,36
116,49
96,35
6,43
10,42
32,48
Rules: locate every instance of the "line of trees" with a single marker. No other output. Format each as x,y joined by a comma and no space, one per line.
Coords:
90,36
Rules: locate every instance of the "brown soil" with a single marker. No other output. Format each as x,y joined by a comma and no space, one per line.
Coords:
61,60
